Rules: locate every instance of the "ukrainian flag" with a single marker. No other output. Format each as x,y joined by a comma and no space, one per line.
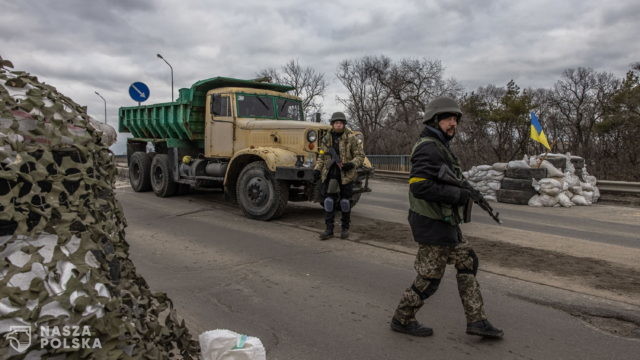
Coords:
536,131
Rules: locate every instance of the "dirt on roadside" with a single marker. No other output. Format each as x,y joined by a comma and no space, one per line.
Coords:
595,273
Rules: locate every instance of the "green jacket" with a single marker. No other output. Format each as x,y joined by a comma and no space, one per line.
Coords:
350,151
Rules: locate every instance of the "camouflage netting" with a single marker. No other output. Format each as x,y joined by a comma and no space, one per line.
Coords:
63,255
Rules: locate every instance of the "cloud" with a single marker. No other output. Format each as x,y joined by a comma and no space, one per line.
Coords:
86,46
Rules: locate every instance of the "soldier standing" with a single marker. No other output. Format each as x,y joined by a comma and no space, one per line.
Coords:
436,210
340,155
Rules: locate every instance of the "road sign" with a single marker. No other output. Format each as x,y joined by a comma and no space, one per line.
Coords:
139,91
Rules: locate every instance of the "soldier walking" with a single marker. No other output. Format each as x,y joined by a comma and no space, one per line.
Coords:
340,155
436,210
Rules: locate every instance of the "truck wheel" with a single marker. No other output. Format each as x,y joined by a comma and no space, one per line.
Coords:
139,172
259,194
161,181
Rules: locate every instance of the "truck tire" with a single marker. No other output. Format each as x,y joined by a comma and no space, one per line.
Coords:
161,180
517,197
516,184
259,194
139,172
526,173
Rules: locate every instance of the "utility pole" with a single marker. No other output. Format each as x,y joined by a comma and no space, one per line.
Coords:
170,67
105,106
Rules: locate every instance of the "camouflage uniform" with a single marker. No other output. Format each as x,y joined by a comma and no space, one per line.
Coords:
430,264
349,150
436,211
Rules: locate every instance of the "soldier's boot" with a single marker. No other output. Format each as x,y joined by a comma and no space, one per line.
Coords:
344,233
412,327
328,233
485,329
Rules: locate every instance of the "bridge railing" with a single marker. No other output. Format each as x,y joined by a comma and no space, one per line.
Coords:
399,163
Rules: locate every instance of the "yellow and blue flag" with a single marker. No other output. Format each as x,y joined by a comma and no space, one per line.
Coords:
536,131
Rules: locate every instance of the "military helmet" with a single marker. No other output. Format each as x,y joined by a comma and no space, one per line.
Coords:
338,116
441,105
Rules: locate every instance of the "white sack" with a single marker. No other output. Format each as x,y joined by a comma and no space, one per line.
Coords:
535,201
500,167
228,345
579,200
564,200
518,164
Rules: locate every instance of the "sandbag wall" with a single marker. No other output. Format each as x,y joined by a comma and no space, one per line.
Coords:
571,186
486,179
558,180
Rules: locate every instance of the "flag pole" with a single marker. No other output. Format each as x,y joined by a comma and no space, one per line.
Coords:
544,157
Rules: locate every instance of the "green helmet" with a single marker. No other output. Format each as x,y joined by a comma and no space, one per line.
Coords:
338,116
441,105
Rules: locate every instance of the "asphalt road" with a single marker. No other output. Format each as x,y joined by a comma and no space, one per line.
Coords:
600,223
307,299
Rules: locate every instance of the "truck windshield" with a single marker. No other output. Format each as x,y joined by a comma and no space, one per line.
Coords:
255,106
289,109
266,106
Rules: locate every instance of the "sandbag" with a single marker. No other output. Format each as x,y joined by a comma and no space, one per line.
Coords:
579,200
552,171
548,200
588,195
549,182
586,187
535,201
501,167
518,164
551,191
564,200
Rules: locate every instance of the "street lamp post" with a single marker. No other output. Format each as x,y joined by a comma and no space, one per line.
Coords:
105,106
170,67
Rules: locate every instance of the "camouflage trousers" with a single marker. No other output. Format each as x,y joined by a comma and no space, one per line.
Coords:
430,265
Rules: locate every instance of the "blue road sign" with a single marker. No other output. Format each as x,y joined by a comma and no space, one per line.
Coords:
139,91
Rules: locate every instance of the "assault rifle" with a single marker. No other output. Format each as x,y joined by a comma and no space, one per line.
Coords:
334,158
448,177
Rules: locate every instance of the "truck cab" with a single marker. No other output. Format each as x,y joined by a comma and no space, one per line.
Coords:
247,137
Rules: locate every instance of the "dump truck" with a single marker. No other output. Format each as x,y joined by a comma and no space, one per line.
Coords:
246,137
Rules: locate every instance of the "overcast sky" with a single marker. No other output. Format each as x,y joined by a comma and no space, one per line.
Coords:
85,46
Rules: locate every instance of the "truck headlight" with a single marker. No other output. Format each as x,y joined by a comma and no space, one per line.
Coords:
312,136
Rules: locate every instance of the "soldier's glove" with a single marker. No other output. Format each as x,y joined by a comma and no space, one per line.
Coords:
316,175
464,197
348,166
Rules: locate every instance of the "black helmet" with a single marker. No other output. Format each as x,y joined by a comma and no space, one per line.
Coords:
441,105
338,116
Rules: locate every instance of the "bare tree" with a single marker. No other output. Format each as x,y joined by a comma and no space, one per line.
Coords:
367,100
580,97
310,85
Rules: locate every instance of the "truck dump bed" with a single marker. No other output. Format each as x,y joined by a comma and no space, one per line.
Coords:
184,118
